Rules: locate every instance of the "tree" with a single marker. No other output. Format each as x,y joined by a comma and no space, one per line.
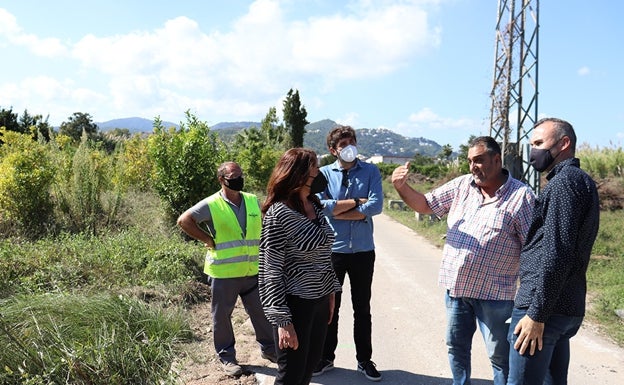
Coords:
462,158
35,125
185,163
78,123
445,152
8,120
295,118
257,150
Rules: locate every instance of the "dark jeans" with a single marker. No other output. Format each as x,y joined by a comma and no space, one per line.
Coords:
225,293
360,267
309,316
550,365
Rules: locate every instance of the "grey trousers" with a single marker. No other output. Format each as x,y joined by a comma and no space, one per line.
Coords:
225,293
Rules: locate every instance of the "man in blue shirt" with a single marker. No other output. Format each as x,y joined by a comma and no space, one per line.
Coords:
550,302
353,196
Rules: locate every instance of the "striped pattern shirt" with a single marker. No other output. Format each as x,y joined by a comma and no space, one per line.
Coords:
294,259
481,256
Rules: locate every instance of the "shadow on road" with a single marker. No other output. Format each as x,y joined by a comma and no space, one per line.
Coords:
340,376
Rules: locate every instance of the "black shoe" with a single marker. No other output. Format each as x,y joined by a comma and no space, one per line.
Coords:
322,367
269,356
369,369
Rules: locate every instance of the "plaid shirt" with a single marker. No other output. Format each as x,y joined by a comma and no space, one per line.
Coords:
484,237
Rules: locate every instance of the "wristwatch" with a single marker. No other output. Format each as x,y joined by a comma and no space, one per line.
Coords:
357,202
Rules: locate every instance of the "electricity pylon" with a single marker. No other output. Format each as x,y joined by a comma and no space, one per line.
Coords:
514,89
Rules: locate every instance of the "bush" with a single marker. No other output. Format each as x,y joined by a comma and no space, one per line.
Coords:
26,174
87,198
185,164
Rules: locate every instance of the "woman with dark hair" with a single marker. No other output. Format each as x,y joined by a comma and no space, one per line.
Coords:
296,279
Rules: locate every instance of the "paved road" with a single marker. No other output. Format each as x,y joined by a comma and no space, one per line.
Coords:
409,324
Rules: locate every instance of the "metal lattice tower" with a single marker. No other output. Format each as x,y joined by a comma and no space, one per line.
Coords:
514,89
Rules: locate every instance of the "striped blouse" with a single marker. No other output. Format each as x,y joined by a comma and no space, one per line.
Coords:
294,260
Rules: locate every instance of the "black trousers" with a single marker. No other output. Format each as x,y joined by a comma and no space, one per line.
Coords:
360,267
310,316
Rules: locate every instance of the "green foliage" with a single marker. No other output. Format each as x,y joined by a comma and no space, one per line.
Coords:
79,262
8,120
258,150
445,153
84,192
26,174
295,118
76,339
185,163
605,278
135,165
78,123
605,162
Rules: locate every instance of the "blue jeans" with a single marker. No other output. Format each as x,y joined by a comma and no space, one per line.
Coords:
550,365
463,315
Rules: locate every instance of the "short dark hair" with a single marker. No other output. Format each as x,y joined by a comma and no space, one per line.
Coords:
562,128
490,144
338,133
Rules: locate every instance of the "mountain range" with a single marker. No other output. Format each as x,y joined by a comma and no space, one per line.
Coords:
371,141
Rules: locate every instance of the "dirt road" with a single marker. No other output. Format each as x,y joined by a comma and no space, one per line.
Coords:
409,323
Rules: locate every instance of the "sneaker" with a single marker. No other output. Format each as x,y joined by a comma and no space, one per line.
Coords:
269,356
231,368
322,367
369,369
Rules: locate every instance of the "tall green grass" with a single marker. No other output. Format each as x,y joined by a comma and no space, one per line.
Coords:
76,339
606,162
85,262
99,310
606,275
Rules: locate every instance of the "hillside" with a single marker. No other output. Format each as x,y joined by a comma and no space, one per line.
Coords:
371,141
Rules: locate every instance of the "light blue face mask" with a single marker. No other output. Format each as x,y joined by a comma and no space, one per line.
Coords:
349,153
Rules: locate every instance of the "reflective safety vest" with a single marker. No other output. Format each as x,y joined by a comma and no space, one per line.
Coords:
235,254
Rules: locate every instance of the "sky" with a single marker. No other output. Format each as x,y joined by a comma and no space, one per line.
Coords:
422,68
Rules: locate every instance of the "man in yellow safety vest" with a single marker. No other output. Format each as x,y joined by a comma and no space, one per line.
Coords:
229,224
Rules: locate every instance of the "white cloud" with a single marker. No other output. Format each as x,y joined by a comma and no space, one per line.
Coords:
349,119
236,73
427,123
264,54
583,71
12,32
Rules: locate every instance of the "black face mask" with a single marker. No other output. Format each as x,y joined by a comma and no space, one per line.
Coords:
319,184
235,184
540,158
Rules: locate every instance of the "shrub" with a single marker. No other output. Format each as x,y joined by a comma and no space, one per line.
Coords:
185,164
26,174
87,197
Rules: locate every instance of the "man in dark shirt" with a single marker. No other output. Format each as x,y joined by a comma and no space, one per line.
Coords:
550,303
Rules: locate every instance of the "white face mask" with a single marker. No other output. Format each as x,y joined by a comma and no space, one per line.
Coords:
349,153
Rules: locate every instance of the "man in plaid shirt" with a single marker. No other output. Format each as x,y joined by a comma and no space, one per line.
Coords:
488,216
